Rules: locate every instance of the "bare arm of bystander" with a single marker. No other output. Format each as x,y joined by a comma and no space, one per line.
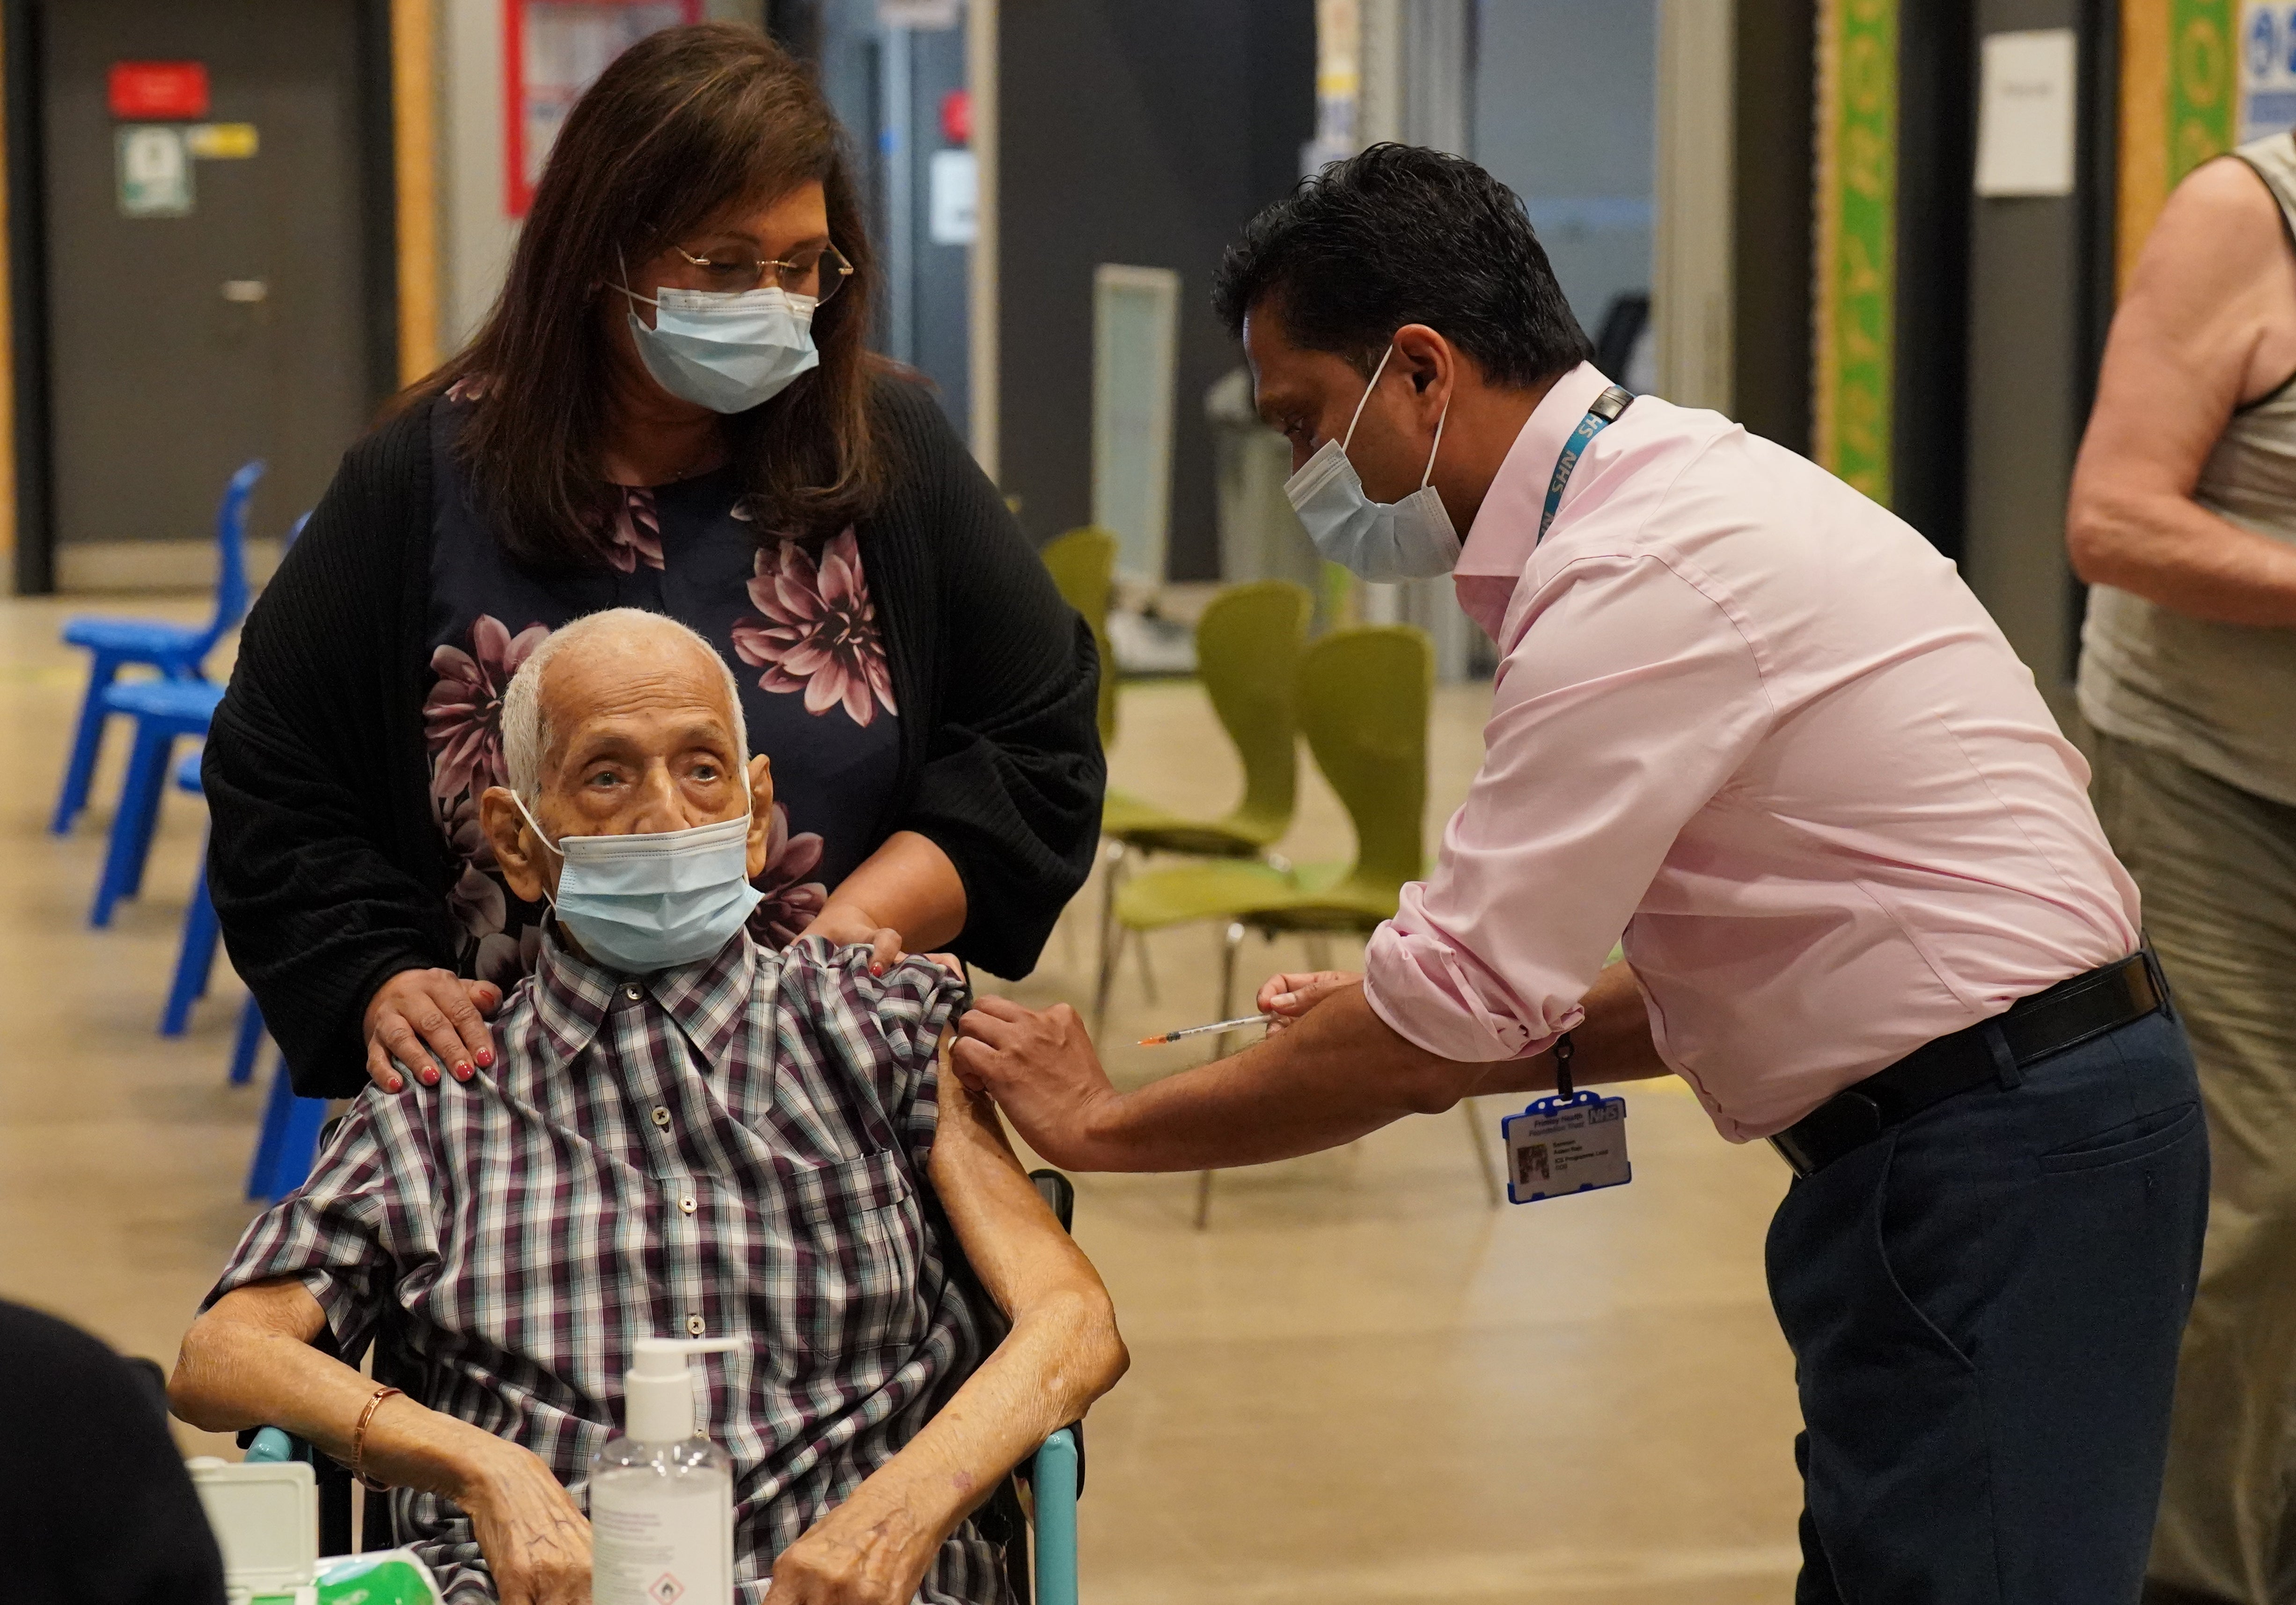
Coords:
2208,324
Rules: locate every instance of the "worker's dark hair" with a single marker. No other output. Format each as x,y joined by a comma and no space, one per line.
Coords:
1399,235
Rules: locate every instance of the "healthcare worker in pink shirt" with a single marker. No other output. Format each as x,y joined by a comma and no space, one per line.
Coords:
1753,728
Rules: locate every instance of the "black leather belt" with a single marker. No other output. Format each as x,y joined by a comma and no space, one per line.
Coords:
1993,1050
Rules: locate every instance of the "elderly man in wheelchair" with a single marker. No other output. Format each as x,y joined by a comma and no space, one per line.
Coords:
686,1134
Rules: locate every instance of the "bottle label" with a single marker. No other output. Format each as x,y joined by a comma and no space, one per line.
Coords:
654,1543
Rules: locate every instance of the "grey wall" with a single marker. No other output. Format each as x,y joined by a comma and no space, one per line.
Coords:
2028,379
1770,354
1565,116
1145,134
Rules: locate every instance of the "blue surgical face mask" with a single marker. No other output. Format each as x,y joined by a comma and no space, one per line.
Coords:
728,351
657,899
1387,541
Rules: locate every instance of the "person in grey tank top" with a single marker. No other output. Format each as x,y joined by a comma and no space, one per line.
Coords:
2182,520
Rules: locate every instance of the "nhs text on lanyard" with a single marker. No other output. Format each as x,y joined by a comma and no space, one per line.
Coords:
1574,1142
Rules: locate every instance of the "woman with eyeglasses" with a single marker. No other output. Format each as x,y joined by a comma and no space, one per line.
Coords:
671,406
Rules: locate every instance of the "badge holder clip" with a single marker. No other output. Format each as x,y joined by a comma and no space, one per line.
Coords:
1574,1142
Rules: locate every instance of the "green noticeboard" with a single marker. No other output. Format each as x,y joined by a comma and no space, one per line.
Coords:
2202,87
1856,271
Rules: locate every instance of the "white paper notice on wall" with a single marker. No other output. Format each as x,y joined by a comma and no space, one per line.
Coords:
952,214
2027,92
924,15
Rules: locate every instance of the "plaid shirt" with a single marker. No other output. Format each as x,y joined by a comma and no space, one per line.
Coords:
734,1148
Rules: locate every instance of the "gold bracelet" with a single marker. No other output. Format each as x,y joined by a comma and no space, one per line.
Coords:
358,1442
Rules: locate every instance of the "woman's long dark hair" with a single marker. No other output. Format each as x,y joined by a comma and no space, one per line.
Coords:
684,124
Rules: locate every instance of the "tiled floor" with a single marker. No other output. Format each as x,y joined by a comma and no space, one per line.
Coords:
1362,1386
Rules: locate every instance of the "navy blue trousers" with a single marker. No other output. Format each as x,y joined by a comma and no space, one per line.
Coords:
1984,1307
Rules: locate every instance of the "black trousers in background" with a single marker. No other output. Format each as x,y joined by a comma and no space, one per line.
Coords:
1984,1307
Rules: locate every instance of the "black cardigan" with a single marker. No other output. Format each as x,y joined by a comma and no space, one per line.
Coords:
327,862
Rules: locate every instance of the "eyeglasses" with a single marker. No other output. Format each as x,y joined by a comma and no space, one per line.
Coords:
820,273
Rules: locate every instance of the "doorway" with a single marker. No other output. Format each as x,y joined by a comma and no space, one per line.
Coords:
200,238
894,70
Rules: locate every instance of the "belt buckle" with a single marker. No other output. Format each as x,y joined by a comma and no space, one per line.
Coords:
1846,1121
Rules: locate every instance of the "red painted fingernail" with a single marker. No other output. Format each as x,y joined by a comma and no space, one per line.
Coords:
428,1077
463,1072
486,1058
876,969
393,1085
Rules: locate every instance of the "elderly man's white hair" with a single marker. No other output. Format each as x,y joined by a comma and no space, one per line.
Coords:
526,738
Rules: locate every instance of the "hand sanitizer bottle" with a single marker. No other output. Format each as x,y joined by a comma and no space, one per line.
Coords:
661,1496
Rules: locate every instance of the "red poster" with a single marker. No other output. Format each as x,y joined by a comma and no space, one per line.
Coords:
158,92
553,50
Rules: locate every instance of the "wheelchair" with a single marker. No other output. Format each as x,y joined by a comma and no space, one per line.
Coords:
1055,1476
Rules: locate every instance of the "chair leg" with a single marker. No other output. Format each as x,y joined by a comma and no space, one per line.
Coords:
289,1140
1111,938
88,742
1231,943
139,799
1483,1160
194,957
161,758
1147,975
247,1043
1319,951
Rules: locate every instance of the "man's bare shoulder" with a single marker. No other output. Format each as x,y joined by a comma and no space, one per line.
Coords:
2220,230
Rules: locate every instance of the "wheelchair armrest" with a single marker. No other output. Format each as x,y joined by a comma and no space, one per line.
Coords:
1058,1475
1059,1194
269,1445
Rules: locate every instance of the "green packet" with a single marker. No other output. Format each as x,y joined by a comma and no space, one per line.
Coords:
390,1576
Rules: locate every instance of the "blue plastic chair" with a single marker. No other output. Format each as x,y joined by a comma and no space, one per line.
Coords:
178,652
165,711
195,955
288,1140
247,1043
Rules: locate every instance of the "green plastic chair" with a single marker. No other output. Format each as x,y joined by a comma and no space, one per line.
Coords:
1248,656
1083,565
1363,700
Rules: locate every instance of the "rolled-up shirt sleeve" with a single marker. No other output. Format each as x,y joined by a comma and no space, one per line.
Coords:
1631,696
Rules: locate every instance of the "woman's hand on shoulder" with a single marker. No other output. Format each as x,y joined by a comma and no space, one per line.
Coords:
850,927
431,1022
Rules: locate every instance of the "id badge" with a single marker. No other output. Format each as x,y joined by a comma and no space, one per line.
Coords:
1561,1145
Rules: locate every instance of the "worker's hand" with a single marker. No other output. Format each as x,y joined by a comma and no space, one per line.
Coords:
1041,1069
533,1534
430,1020
1287,998
846,926
865,1551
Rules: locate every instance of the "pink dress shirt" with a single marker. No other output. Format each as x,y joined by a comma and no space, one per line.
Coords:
1759,725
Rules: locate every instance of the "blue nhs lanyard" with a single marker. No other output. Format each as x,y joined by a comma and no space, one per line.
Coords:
1599,417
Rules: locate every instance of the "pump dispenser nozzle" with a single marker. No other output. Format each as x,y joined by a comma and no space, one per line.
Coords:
658,1389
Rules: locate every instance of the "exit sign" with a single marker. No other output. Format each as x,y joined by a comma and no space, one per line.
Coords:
149,92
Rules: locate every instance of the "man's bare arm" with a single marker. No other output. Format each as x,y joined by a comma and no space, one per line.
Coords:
1337,1074
247,1361
2209,322
1062,1353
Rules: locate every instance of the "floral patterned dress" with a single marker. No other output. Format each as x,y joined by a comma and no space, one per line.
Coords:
794,619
